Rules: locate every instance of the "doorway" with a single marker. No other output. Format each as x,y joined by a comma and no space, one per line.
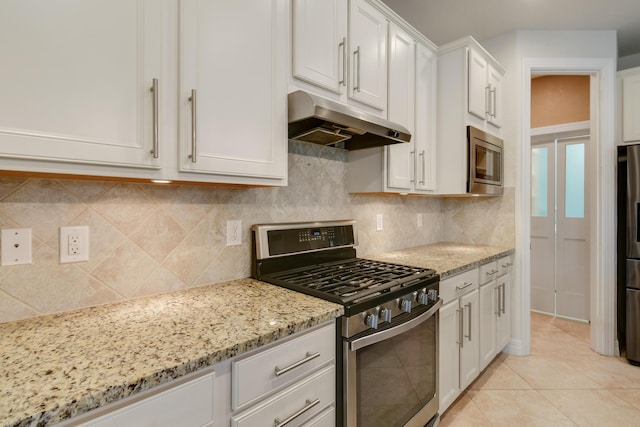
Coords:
560,241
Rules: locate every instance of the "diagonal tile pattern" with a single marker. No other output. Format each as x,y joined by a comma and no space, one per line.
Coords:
147,239
562,383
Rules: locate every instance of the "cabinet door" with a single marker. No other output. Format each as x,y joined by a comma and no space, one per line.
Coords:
449,354
630,108
478,88
488,317
401,157
424,134
75,80
320,43
470,350
503,328
494,115
368,55
232,58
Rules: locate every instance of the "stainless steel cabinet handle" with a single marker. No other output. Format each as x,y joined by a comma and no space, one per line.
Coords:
498,300
356,53
507,265
343,45
154,89
461,327
487,100
412,160
309,404
504,292
193,155
469,322
493,102
423,166
489,273
464,286
309,356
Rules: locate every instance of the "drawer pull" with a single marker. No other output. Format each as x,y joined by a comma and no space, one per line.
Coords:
309,404
507,265
309,357
464,286
489,273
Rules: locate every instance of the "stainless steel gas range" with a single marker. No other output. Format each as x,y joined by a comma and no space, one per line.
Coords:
387,339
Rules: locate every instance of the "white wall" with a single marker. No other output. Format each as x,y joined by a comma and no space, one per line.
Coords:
513,50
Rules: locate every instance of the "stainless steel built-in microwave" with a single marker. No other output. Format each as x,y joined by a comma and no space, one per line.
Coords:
486,163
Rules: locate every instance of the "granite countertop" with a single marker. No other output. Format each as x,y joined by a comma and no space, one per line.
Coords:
57,366
446,258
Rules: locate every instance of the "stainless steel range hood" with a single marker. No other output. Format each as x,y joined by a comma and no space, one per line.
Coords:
319,120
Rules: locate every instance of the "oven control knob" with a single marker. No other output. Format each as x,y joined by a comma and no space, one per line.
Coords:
405,304
372,320
423,297
433,295
385,315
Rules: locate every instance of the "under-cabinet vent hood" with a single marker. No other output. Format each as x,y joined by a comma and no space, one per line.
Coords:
319,120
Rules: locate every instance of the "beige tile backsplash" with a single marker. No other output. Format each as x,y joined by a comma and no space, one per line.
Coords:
147,239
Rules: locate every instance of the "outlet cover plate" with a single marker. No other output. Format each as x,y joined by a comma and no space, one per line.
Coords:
74,244
234,232
16,246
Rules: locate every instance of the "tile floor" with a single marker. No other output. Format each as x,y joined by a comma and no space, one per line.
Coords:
562,383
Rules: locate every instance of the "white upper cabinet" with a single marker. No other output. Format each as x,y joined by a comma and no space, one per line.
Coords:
402,94
339,50
368,54
77,97
232,99
424,132
485,88
630,85
75,81
404,167
320,43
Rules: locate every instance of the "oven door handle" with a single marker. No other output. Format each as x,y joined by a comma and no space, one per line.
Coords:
396,330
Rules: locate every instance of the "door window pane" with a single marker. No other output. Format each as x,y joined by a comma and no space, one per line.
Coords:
574,189
539,183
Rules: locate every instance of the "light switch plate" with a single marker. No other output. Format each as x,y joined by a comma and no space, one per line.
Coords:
419,220
16,246
74,244
379,225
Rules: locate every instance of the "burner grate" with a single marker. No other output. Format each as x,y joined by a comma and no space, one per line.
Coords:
353,279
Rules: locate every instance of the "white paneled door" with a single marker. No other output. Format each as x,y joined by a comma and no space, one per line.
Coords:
559,228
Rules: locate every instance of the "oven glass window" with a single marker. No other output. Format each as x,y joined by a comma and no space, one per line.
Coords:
487,164
397,377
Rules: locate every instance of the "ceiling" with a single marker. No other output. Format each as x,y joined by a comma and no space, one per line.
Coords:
443,21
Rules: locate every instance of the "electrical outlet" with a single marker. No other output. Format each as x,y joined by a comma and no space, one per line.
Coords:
16,246
74,244
234,232
419,220
379,225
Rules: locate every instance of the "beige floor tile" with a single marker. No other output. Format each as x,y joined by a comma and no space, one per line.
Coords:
593,407
630,396
521,408
464,413
499,376
547,372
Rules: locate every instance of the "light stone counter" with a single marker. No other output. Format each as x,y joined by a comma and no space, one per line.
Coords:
57,366
446,258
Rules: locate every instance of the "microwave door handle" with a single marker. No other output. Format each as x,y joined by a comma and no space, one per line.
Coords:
396,330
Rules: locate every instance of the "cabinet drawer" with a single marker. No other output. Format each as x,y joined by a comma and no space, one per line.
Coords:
460,284
189,404
256,375
504,265
316,393
488,272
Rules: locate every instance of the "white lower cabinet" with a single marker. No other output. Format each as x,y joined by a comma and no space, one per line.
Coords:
292,382
458,336
495,309
184,402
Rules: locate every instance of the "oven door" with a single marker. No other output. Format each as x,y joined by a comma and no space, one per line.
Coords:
485,163
391,375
